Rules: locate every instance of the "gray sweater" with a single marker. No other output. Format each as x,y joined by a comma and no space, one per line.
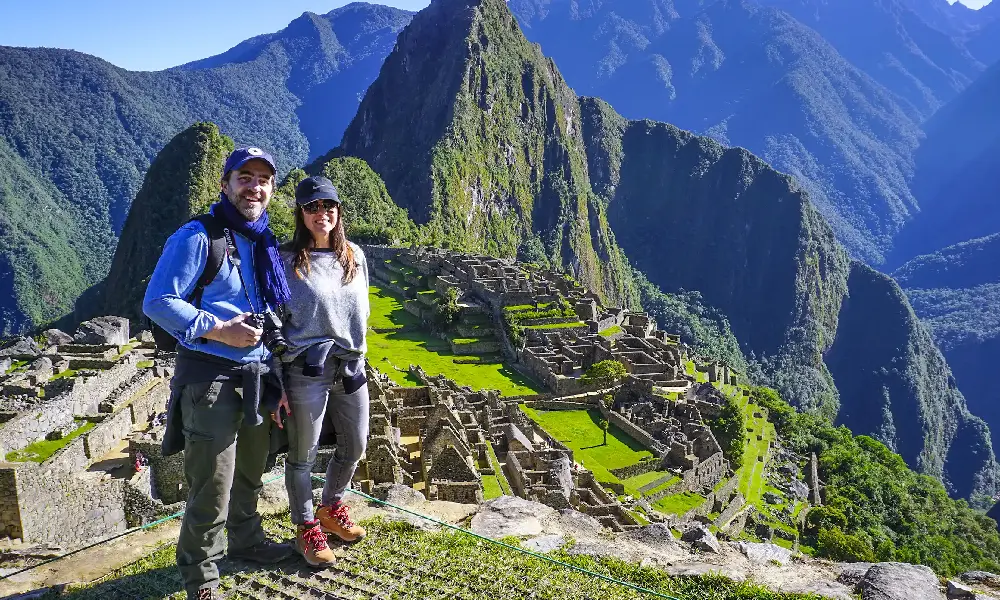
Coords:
322,307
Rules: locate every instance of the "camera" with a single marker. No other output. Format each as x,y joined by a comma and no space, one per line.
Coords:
272,337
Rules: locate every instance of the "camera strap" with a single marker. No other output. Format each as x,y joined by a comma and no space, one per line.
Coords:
234,258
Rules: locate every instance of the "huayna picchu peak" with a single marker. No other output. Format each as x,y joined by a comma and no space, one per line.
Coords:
485,146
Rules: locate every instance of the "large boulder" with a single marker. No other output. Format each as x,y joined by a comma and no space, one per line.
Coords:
103,330
5,363
41,369
510,515
764,553
657,535
701,538
57,337
900,581
20,348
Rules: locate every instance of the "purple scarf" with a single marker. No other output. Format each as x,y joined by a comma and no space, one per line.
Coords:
269,266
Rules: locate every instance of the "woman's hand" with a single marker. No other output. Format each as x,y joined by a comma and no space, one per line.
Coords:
282,404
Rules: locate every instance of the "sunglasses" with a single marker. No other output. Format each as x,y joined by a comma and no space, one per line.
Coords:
317,205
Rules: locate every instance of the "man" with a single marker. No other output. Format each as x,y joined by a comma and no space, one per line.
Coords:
221,381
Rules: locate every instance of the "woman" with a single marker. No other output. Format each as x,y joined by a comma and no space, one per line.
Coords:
324,324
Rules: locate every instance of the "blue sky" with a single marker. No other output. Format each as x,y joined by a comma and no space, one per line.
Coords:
145,35
148,35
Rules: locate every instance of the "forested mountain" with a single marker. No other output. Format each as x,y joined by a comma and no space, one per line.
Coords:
182,182
468,123
956,291
754,77
86,131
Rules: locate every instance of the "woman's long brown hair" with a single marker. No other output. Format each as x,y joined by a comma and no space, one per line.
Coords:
302,242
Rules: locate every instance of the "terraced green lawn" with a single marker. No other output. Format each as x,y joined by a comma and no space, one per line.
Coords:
579,430
397,340
557,325
39,451
646,478
611,331
751,472
678,504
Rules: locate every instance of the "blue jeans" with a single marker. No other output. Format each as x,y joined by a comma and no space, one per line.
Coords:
310,399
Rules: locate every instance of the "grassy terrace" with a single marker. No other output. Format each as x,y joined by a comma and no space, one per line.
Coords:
556,325
751,472
678,504
579,430
611,331
397,339
400,562
40,451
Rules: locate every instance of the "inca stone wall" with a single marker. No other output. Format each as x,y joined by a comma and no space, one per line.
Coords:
82,396
69,508
10,513
631,429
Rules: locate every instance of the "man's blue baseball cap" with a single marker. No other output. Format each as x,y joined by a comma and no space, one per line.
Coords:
315,188
242,156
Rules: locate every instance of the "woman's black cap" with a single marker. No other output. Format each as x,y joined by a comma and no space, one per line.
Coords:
311,189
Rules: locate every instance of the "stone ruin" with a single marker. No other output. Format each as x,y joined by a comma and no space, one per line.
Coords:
558,356
441,438
86,394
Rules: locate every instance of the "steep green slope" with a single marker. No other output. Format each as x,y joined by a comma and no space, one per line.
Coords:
956,292
895,383
753,77
92,129
183,181
833,335
875,508
43,244
476,134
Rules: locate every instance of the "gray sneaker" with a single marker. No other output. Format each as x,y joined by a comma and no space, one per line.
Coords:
265,552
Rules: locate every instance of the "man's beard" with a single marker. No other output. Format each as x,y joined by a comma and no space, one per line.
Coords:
250,211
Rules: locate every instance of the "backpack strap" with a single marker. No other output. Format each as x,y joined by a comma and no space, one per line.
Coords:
216,255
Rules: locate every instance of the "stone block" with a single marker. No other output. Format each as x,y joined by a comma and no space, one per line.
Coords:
20,348
103,330
57,337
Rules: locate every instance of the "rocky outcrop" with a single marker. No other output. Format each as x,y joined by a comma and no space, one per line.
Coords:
113,331
900,581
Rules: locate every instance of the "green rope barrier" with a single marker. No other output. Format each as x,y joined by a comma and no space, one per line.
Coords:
510,547
383,503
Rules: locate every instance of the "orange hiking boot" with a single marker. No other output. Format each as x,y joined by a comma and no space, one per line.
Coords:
311,544
335,520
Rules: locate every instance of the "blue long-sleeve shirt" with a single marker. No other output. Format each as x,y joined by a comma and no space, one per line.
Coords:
174,278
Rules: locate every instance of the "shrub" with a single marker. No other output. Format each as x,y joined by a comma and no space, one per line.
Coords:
605,373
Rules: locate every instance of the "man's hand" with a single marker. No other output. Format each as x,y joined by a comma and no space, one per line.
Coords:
235,332
282,404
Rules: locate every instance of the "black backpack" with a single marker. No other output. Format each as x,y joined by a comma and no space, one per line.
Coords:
216,255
